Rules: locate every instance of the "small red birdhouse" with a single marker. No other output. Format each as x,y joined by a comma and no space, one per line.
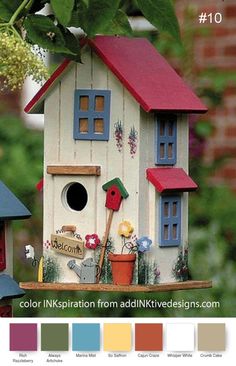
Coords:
113,199
115,192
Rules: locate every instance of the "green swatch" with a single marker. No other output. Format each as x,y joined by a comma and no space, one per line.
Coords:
54,337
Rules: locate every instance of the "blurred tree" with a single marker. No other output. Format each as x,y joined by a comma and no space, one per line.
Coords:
21,158
21,162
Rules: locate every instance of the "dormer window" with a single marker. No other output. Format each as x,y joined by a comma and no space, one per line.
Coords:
92,114
166,140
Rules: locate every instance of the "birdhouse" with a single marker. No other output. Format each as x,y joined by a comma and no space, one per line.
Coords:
115,192
10,209
120,115
113,198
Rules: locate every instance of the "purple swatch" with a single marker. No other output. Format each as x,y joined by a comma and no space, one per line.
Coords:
23,337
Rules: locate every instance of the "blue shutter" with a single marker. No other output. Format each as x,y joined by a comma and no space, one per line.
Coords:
170,221
166,140
89,116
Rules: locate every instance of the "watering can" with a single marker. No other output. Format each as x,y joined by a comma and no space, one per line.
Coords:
87,271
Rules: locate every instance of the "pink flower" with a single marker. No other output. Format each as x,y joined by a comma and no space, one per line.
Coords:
92,241
47,244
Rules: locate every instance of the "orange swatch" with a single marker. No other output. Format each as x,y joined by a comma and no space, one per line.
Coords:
148,337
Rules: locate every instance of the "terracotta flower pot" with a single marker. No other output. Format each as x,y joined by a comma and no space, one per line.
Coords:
122,266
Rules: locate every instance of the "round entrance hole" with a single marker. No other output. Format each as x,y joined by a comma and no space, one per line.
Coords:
75,196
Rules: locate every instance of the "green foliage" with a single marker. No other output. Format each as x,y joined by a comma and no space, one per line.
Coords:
106,274
119,25
221,212
78,15
51,269
218,79
63,10
21,158
180,268
212,239
99,15
147,271
161,14
204,128
41,30
72,44
7,8
51,32
93,16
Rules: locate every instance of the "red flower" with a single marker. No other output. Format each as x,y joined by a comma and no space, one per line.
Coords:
92,241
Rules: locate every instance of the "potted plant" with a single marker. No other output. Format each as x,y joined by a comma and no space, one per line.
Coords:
122,264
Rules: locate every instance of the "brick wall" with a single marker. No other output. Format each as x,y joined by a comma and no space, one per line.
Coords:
9,103
218,50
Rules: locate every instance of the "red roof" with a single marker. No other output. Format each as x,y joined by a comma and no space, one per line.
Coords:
142,70
170,179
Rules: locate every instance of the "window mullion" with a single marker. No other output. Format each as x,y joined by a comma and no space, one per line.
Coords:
91,113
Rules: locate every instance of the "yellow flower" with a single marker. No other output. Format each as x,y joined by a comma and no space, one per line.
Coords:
125,229
17,61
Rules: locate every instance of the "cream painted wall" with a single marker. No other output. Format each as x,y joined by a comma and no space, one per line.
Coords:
62,149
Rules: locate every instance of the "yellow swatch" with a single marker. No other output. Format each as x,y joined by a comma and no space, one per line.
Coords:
117,337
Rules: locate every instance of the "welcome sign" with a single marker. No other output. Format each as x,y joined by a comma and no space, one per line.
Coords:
67,246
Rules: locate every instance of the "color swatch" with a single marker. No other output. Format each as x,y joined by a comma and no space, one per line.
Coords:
54,337
148,337
211,337
23,337
180,337
86,337
117,337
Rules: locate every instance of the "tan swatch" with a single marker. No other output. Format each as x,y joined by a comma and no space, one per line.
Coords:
211,337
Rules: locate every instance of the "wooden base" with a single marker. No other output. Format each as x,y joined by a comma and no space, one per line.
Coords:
162,287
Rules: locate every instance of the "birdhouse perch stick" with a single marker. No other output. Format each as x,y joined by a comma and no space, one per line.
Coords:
115,192
104,244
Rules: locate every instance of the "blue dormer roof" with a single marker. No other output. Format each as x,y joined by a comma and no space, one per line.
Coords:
9,289
11,207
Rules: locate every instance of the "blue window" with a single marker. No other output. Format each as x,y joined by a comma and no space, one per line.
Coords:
170,221
166,140
92,114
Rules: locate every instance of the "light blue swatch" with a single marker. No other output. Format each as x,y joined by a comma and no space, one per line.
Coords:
86,337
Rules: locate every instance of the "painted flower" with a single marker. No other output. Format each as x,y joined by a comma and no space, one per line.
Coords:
92,241
47,244
133,141
119,135
157,273
125,229
144,244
